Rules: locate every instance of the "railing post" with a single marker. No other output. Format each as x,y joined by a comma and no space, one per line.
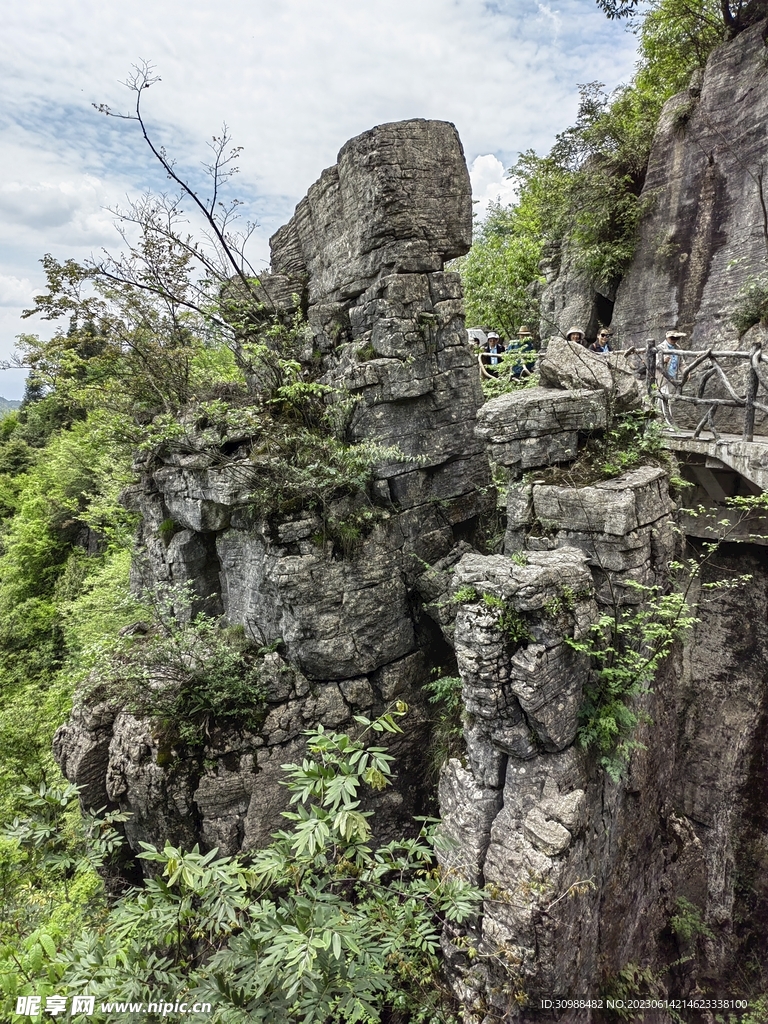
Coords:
752,385
650,366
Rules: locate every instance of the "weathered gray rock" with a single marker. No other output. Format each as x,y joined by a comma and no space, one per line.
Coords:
365,253
615,507
568,365
336,619
81,747
625,526
518,673
468,811
533,412
398,198
539,426
572,297
702,239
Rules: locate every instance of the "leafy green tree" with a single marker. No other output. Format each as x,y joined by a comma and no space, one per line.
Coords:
731,16
676,37
321,926
498,271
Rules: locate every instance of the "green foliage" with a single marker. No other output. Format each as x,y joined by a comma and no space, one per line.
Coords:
564,601
676,38
626,648
582,201
630,983
604,156
510,621
188,674
168,529
722,19
49,858
447,738
508,376
503,261
631,441
751,306
319,926
756,1014
465,594
687,922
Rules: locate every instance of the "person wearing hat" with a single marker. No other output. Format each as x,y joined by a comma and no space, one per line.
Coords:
492,353
669,361
575,334
602,343
523,347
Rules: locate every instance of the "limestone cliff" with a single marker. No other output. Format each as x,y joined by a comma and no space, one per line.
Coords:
705,235
365,252
584,874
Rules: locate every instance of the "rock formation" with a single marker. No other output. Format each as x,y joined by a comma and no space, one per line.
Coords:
584,874
705,235
366,249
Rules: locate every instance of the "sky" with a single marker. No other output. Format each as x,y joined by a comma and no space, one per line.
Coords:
293,80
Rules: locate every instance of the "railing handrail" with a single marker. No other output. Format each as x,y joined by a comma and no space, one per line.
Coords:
740,353
657,367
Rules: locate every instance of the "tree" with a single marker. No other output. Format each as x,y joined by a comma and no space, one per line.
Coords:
498,271
733,15
319,926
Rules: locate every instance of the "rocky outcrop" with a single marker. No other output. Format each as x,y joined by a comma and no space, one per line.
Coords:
568,365
539,426
586,877
365,251
705,236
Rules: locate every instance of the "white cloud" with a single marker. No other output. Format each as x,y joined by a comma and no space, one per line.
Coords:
553,17
490,183
47,207
15,291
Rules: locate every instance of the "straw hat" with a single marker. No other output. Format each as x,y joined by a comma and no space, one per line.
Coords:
574,330
524,332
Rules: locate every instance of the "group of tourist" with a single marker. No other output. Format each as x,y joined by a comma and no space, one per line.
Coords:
492,352
494,349
601,345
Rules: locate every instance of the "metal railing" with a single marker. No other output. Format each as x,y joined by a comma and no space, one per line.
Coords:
668,389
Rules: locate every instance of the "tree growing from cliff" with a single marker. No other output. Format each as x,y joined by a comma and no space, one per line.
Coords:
732,16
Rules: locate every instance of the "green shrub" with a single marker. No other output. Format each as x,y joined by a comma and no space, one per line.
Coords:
511,622
751,306
186,675
627,649
687,922
447,737
318,926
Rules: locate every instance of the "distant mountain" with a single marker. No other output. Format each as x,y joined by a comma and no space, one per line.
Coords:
6,404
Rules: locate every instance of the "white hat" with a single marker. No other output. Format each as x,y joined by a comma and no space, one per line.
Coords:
492,334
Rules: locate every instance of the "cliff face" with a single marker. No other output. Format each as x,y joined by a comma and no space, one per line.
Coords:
365,252
589,879
586,876
706,234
